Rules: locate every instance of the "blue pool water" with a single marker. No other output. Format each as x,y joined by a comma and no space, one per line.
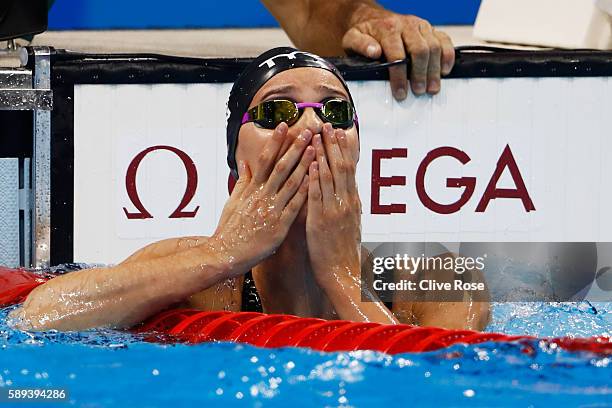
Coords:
105,368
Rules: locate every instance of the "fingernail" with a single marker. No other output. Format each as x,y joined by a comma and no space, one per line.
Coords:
447,68
306,135
419,87
371,51
401,94
434,86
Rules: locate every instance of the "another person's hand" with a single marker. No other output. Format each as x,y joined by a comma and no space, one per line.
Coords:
374,31
264,204
333,223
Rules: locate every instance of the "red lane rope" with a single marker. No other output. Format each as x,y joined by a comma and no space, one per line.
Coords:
196,326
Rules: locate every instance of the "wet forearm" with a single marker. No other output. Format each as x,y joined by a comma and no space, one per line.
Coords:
124,295
345,292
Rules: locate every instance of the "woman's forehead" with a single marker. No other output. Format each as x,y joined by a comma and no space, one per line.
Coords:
315,81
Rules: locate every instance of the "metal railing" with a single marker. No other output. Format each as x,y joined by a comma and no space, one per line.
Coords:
25,214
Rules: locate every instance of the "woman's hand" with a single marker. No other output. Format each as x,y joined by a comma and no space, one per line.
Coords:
264,203
333,229
333,224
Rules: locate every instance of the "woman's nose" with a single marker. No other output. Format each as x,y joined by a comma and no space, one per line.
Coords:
311,121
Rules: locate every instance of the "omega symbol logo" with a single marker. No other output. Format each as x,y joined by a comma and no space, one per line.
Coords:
132,189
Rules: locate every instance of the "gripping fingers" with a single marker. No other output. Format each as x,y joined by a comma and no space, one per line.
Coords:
356,41
435,53
265,161
448,52
419,55
293,182
393,47
285,165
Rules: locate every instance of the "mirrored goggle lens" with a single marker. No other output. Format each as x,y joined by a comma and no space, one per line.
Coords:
338,112
270,114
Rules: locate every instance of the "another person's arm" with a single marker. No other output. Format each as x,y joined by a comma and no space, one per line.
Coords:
254,222
332,28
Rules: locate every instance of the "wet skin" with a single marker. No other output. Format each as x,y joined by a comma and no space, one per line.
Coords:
316,238
294,219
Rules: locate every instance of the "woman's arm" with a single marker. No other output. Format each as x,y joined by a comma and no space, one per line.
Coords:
351,300
165,247
123,295
333,230
254,222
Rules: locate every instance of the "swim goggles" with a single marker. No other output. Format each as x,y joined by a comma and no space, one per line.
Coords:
269,114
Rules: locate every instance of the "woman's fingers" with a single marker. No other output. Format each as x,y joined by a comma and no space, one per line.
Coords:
325,174
244,178
336,160
287,162
315,197
265,161
293,182
294,206
349,161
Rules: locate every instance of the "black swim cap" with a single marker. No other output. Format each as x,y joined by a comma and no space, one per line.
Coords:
254,76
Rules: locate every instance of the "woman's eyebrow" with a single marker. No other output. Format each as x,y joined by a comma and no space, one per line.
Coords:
333,90
277,90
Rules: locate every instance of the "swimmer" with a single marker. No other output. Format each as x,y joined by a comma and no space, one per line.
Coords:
293,219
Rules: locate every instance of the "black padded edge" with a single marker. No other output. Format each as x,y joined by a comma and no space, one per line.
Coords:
71,68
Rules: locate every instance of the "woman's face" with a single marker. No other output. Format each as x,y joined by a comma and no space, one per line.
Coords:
298,85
